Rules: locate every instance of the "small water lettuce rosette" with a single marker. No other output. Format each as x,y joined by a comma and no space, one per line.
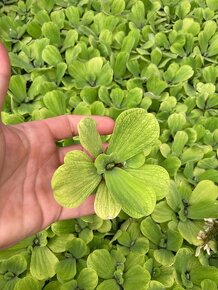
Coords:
119,177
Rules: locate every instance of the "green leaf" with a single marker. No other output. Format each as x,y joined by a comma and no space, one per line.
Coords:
66,269
51,31
98,108
87,279
27,282
174,198
86,235
183,256
183,9
89,95
105,205
171,164
105,76
55,101
77,247
58,17
36,49
164,257
133,98
20,61
204,272
60,71
205,89
40,86
102,262
171,72
117,7
162,212
89,136
212,101
92,73
194,153
154,176
208,284
155,285
156,86
213,48
75,180
184,73
212,4
51,55
189,231
151,230
42,264
156,55
205,190
10,282
71,285
188,25
70,39
63,227
207,163
34,29
72,13
133,66
203,209
137,277
136,161
136,199
94,65
210,174
174,239
16,264
11,118
108,284
127,139
180,140
210,29
133,259
82,109
141,246
120,64
176,122
58,243
117,95
18,88
55,285
137,14
165,149
128,42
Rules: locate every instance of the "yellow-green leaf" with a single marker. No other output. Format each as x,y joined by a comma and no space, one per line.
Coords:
75,180
134,131
154,176
135,197
89,136
106,207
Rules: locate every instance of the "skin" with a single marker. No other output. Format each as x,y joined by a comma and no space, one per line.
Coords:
28,160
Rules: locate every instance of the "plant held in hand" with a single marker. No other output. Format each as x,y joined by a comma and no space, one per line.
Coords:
119,176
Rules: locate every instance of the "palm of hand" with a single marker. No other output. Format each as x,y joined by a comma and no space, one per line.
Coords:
28,159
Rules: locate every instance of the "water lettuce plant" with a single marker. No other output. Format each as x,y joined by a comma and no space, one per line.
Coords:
159,59
118,175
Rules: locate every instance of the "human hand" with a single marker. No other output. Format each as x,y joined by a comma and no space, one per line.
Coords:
28,159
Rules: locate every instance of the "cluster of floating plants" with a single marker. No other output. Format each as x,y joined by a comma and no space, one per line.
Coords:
152,66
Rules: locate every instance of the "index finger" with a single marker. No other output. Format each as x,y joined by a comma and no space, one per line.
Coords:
65,126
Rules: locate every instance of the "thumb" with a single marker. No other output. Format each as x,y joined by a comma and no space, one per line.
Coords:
4,73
